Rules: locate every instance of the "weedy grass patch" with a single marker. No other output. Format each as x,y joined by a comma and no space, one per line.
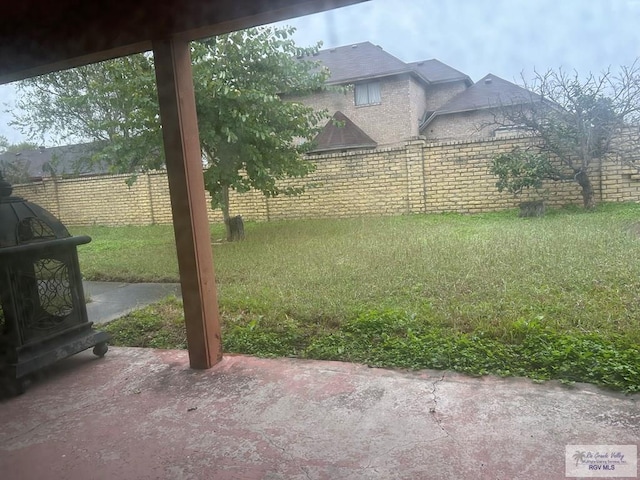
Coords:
490,293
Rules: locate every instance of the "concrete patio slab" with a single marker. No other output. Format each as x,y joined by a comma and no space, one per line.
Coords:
143,414
111,300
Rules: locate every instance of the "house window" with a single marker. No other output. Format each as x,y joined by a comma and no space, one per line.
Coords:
368,93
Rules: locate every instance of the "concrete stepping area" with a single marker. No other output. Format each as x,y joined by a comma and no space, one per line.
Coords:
111,300
144,414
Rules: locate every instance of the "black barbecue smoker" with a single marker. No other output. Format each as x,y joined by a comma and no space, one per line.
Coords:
43,315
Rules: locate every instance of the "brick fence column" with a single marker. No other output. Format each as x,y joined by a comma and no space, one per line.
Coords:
416,176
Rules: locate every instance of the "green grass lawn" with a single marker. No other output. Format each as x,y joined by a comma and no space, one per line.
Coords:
553,297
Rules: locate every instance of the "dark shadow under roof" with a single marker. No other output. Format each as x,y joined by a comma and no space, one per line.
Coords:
340,133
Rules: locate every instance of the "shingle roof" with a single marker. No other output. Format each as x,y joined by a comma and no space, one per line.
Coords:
358,62
434,71
65,160
341,137
362,61
489,92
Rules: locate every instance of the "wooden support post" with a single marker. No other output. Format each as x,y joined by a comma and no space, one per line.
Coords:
188,201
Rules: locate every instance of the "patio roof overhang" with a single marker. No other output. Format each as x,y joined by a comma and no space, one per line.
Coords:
42,36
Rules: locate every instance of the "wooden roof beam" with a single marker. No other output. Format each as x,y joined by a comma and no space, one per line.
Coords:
41,36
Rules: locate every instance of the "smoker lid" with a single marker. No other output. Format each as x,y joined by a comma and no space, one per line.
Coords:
23,222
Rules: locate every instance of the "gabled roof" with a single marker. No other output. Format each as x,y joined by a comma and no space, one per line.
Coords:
489,92
359,61
434,71
365,61
63,161
340,133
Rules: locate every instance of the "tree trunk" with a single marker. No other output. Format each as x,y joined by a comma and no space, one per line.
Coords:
588,195
234,227
225,210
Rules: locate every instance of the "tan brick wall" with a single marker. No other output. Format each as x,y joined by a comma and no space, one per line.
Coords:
159,204
457,178
351,184
620,183
417,177
100,200
44,194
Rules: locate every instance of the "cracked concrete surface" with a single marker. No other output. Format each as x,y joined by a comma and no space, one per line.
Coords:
434,409
143,414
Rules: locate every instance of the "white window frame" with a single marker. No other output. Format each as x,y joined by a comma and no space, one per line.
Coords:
367,94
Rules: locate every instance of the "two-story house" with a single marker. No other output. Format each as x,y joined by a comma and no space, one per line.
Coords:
382,101
379,95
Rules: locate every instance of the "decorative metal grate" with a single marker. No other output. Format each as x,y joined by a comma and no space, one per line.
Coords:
47,297
54,292
32,229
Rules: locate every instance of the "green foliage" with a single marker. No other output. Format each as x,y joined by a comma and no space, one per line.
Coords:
251,337
158,326
251,135
15,171
581,131
5,146
112,103
520,170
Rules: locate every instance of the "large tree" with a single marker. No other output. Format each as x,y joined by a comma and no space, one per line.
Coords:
251,136
576,122
113,104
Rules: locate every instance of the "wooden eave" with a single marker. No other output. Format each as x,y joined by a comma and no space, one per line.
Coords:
41,36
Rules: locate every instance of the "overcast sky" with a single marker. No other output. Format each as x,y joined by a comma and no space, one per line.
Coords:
503,37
